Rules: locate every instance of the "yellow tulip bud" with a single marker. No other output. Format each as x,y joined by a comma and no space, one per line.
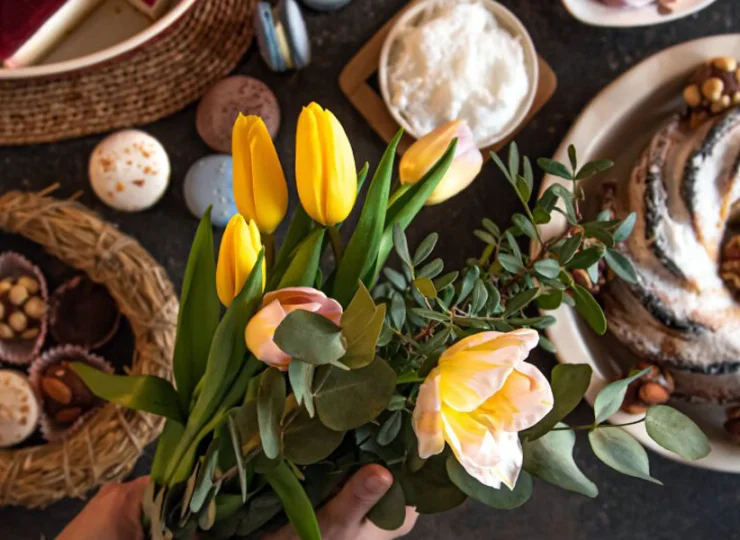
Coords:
260,190
325,171
477,400
425,152
240,248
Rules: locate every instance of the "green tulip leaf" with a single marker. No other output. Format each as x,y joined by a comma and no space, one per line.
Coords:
166,444
405,208
306,440
348,399
238,457
612,395
304,264
362,248
300,227
310,337
620,451
295,501
389,513
550,458
140,392
502,498
675,431
569,384
270,406
362,322
200,311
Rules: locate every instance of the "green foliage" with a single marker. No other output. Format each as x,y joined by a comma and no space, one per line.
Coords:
296,503
311,338
501,499
141,392
676,432
270,407
620,451
304,264
550,458
430,489
390,512
305,439
361,325
612,395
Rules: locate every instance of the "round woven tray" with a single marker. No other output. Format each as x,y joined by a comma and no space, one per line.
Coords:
154,81
108,445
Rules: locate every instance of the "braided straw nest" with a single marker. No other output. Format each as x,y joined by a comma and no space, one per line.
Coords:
107,447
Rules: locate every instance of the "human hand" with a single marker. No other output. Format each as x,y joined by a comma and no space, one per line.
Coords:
344,517
114,514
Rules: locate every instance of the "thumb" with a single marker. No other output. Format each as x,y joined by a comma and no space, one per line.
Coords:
360,494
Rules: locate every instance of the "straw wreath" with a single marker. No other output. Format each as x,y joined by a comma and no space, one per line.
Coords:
107,448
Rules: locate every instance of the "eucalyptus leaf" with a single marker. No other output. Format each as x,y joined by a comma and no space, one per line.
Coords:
400,243
390,429
523,189
270,406
625,228
510,263
297,505
397,311
426,287
467,284
555,168
396,278
300,375
589,309
549,268
610,399
546,344
204,479
425,249
310,337
676,432
306,440
389,513
479,298
570,247
569,384
587,257
431,270
594,167
520,301
513,160
238,459
621,265
430,490
550,301
430,315
500,164
572,157
362,322
550,458
140,392
514,245
348,399
526,226
485,236
620,451
491,227
502,498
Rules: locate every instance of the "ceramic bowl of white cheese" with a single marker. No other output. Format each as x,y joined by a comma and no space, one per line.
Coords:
470,60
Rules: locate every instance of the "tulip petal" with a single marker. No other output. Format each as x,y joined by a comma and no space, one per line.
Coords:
464,169
260,333
225,267
492,458
309,299
242,167
425,152
342,180
427,418
524,400
309,164
268,180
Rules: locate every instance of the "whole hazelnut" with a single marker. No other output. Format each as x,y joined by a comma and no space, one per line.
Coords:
17,294
653,388
31,285
18,321
581,277
35,308
6,332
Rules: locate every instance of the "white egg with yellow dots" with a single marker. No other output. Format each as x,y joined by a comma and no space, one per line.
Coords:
129,170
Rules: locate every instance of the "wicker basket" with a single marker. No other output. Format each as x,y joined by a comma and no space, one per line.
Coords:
107,448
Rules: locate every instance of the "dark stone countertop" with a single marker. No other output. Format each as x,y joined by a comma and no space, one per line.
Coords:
693,504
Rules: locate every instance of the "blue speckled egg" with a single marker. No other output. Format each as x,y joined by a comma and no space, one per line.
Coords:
208,182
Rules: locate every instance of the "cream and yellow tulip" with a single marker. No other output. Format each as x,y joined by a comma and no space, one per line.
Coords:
477,399
239,251
260,190
424,153
325,171
260,331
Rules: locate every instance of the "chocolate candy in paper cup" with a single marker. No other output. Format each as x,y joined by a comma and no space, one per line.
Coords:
23,309
19,408
66,402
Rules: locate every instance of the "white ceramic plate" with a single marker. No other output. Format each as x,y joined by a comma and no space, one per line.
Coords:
508,21
595,13
112,29
617,124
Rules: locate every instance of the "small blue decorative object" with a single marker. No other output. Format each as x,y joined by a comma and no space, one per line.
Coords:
326,5
282,35
208,182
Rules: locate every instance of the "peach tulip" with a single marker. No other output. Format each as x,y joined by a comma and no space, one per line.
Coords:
479,397
276,306
425,152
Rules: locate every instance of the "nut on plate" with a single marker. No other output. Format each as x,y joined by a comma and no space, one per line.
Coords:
714,88
730,267
653,388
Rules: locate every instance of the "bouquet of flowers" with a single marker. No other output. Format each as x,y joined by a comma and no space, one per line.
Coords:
313,370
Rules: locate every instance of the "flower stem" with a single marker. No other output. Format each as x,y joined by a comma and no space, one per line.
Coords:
589,427
400,192
336,243
268,240
406,378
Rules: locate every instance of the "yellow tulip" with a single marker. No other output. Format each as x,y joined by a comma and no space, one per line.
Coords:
260,190
424,153
325,171
477,399
240,248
